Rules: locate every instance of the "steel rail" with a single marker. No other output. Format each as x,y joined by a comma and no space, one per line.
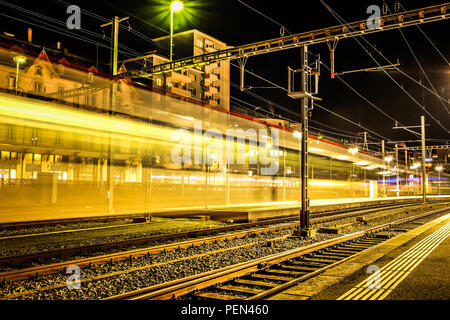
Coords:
184,286
321,217
21,274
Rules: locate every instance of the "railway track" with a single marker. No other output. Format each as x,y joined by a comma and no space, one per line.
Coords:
273,225
108,259
264,277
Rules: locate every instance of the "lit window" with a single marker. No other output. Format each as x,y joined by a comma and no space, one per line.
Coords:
12,81
159,82
37,158
199,43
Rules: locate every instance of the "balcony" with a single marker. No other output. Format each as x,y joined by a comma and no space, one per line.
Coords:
213,103
210,77
180,92
210,67
210,48
178,77
211,90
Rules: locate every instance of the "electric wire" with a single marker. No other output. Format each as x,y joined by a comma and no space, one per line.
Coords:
344,23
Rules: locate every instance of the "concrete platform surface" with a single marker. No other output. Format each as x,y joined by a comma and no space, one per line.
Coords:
429,279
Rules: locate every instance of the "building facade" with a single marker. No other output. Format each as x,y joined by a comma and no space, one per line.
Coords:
210,83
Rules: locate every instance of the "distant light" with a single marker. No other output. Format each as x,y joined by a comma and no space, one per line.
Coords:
20,59
353,150
342,157
176,6
369,167
428,159
362,163
439,168
297,134
388,159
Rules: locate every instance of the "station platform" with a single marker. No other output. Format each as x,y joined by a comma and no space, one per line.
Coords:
237,212
411,266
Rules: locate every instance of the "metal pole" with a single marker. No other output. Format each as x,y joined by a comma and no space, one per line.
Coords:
17,76
424,174
406,171
171,34
397,169
304,214
384,178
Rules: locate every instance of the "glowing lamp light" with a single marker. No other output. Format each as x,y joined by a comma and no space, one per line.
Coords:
353,150
297,134
176,6
388,159
439,168
20,59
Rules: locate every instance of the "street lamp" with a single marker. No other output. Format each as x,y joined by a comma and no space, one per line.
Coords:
439,169
18,60
174,7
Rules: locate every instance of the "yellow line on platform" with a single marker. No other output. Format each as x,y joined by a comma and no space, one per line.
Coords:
392,274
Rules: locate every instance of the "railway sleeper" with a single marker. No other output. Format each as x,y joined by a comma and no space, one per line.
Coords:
216,296
255,283
258,276
240,289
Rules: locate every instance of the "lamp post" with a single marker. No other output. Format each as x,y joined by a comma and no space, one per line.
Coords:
174,7
439,169
18,60
388,159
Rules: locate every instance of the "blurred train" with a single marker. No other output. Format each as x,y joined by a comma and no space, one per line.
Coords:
65,158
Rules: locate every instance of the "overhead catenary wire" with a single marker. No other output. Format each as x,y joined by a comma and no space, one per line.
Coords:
265,16
354,90
419,64
254,95
429,40
344,23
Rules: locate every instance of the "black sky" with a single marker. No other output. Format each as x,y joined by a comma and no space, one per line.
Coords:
235,24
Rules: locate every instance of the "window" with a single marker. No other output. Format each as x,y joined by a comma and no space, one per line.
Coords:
39,70
159,82
60,68
12,81
11,133
60,91
37,158
92,99
199,43
91,77
38,87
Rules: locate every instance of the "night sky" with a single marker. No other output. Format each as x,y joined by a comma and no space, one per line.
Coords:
236,24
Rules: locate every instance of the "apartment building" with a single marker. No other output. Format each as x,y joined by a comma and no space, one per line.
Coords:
210,83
